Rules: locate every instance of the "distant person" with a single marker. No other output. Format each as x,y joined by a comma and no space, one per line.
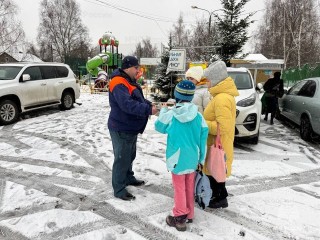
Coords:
273,90
142,82
201,96
220,110
128,117
186,149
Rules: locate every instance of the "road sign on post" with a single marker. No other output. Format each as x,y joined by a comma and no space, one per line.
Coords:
177,60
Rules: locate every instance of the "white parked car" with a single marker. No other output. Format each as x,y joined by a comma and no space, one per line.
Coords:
248,105
29,86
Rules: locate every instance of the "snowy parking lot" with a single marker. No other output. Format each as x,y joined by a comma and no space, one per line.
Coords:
55,183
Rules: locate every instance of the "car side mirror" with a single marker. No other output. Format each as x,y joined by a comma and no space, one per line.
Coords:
259,87
25,77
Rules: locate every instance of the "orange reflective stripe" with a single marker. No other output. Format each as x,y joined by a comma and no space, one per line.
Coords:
120,80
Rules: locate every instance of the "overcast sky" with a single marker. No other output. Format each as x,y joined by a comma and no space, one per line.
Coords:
102,15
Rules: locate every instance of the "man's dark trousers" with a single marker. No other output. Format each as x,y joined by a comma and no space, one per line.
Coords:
124,150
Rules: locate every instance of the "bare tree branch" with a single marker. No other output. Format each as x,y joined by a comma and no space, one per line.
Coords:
61,31
11,34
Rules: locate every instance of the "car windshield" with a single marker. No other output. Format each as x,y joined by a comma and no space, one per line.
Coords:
9,72
241,79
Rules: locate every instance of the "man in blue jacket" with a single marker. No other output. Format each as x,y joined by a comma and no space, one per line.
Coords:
128,117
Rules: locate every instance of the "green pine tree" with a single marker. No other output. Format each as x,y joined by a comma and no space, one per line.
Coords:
232,29
165,83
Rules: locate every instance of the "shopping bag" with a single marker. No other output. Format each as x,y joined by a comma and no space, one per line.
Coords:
216,162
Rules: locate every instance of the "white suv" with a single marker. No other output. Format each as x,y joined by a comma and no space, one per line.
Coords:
29,86
248,105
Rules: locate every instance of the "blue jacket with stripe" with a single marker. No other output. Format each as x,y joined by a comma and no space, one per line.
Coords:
129,109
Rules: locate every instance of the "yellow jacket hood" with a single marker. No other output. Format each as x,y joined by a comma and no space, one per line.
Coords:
225,86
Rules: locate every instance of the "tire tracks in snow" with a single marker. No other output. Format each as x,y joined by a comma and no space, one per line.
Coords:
97,204
89,203
91,159
68,167
254,186
44,183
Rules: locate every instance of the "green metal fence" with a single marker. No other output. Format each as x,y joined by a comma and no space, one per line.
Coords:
76,64
293,75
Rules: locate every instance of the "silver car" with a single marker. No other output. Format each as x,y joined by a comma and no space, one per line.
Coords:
301,104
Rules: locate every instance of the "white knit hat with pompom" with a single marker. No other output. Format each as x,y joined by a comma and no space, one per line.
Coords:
195,72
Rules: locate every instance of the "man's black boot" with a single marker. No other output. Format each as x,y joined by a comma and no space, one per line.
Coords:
137,183
127,197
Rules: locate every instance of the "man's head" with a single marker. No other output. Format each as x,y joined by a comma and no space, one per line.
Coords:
194,74
184,91
130,65
277,75
216,72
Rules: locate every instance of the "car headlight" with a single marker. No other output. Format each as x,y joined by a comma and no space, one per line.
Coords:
247,101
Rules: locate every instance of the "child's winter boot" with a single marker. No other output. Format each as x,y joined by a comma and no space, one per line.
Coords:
178,222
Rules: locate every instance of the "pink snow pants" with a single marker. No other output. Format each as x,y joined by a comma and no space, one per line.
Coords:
183,186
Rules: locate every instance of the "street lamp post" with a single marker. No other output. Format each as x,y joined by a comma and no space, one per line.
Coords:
210,14
210,38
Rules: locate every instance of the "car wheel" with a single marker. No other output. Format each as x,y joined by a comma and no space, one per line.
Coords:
67,101
305,128
9,112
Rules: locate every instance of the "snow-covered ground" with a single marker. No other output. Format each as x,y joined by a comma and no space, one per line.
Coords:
55,183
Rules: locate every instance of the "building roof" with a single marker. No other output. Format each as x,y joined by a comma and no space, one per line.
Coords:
259,58
255,57
25,57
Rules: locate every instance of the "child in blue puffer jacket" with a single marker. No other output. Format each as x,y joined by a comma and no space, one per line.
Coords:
186,149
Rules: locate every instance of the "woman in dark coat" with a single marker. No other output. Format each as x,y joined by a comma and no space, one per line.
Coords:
273,90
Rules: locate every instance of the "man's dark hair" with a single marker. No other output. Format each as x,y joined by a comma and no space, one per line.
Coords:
277,74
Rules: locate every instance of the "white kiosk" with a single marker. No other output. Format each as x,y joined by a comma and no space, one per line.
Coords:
260,67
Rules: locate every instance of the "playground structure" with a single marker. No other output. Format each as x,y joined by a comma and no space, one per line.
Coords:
102,65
